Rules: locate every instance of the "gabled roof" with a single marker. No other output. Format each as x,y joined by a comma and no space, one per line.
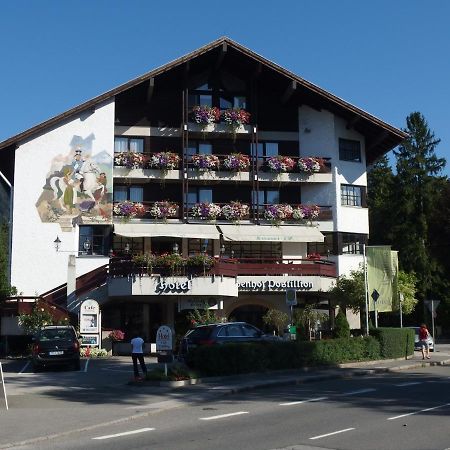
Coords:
388,136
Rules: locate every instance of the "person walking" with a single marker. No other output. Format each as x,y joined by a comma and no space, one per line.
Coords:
424,334
137,354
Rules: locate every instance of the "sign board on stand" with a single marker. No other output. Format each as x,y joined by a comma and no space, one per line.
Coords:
164,345
90,323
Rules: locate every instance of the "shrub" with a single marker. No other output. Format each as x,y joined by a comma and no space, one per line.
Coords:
394,342
341,326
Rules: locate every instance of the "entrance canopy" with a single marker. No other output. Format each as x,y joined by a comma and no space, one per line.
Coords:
185,230
259,233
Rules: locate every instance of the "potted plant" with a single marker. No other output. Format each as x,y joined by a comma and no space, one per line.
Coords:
305,212
310,164
280,164
201,260
205,115
163,210
206,210
172,261
277,213
235,211
130,160
205,162
129,210
236,117
164,161
237,162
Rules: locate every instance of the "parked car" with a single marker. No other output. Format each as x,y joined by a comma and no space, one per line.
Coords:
55,345
416,340
222,333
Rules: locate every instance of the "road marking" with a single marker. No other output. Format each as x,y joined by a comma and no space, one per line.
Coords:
360,391
318,399
86,365
330,434
417,412
410,383
25,367
117,370
125,433
223,416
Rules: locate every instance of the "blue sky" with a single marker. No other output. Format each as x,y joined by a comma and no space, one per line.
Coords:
389,58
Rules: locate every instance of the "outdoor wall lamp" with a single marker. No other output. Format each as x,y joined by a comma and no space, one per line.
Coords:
57,243
127,248
87,245
175,248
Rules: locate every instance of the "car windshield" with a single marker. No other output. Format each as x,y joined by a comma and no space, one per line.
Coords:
55,334
200,333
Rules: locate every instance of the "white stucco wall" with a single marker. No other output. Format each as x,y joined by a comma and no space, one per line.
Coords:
36,267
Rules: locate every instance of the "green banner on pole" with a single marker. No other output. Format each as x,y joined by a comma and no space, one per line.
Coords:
380,277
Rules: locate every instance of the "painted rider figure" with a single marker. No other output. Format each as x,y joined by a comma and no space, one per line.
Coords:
77,165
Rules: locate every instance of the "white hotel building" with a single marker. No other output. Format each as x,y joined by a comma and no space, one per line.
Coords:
96,177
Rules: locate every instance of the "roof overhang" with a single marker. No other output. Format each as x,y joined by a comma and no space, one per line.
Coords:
195,231
258,233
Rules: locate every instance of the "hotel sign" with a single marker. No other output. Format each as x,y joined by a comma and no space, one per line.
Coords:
275,285
174,287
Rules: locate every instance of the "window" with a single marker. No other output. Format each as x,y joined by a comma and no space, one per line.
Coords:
131,193
94,240
125,144
200,96
196,147
266,197
250,331
196,246
353,243
349,150
198,195
122,245
267,149
323,248
227,102
352,195
261,251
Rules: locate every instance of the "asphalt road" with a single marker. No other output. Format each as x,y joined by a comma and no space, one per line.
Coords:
391,411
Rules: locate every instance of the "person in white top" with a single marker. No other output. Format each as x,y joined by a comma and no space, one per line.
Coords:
137,353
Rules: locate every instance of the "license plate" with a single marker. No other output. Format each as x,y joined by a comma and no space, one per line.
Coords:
56,353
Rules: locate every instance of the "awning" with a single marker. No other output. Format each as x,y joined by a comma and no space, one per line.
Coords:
262,233
182,230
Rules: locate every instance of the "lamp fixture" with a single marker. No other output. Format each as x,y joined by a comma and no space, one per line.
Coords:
127,248
57,243
175,248
87,245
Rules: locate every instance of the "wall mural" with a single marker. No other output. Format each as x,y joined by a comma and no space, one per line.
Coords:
78,187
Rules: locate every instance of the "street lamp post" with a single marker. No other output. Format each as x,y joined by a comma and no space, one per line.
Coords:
401,309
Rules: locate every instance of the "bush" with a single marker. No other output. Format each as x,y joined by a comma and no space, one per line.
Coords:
232,359
394,342
341,326
93,352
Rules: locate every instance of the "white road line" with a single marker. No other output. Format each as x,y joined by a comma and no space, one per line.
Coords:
25,367
125,433
117,370
86,365
330,434
410,383
223,416
318,399
417,412
360,391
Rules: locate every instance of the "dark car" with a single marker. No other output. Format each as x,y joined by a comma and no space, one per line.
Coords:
222,333
56,345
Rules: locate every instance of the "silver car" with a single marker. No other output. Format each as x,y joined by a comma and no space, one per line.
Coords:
430,340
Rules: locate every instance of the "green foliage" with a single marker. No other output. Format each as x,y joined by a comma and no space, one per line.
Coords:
201,260
306,318
204,316
176,372
341,326
6,289
349,291
38,318
407,287
394,342
277,319
232,359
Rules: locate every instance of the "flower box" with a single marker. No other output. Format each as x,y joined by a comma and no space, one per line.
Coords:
235,211
129,209
164,161
280,164
163,210
206,211
237,162
205,162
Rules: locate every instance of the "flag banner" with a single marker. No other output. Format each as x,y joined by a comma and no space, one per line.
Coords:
395,291
380,277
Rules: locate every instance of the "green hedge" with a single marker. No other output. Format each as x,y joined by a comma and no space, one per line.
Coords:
394,342
232,359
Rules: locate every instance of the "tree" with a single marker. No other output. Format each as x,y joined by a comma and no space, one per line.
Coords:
380,195
341,326
307,317
38,318
416,184
349,291
277,319
407,288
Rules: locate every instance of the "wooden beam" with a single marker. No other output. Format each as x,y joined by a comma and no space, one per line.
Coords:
288,92
150,88
381,137
220,58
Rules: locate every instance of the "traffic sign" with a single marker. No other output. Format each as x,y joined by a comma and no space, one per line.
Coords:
291,297
375,295
432,305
